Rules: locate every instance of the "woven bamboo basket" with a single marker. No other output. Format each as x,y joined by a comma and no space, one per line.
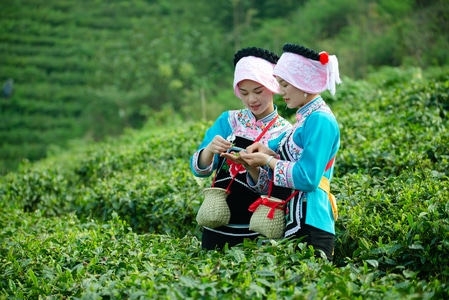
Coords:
214,211
261,223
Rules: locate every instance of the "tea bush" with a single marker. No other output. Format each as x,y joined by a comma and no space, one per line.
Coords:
117,219
144,178
65,258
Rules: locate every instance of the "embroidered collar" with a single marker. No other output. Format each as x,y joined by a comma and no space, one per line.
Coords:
265,120
309,108
246,117
243,123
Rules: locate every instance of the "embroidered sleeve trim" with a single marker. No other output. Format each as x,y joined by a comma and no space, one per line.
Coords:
283,171
261,186
206,171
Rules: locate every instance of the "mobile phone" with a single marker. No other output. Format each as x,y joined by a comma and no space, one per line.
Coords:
235,149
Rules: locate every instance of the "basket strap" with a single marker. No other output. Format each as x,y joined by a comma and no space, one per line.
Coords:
329,164
266,129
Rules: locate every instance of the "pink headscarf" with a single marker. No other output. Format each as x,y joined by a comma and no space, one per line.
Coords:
256,69
308,75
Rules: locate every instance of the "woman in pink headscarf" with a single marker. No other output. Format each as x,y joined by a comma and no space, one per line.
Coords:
255,85
301,161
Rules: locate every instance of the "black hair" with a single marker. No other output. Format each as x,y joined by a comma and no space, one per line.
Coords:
301,50
258,52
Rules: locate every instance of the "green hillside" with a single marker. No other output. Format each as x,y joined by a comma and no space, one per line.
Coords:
89,69
116,219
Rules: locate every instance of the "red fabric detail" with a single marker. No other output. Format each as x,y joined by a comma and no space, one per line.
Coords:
255,205
324,57
266,129
329,164
265,201
234,169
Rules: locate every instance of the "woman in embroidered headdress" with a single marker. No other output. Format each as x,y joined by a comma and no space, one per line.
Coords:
255,85
302,159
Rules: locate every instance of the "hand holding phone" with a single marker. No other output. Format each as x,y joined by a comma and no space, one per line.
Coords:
235,149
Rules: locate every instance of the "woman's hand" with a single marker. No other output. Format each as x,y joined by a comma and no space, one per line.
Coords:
255,159
261,148
253,156
235,157
218,145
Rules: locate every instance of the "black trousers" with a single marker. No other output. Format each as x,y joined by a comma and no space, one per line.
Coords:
320,240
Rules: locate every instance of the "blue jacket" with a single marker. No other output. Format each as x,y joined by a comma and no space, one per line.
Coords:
313,142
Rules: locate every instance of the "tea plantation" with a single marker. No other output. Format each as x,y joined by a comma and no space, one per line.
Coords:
116,219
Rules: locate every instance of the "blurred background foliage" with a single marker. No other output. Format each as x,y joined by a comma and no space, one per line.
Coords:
87,70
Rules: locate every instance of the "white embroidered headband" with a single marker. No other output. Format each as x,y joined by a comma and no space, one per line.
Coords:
308,70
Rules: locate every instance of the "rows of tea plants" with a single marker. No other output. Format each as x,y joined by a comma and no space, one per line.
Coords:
86,69
117,219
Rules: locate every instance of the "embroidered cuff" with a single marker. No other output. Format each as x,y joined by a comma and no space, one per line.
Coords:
283,175
202,172
261,186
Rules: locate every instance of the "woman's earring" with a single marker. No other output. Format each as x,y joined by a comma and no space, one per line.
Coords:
305,95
